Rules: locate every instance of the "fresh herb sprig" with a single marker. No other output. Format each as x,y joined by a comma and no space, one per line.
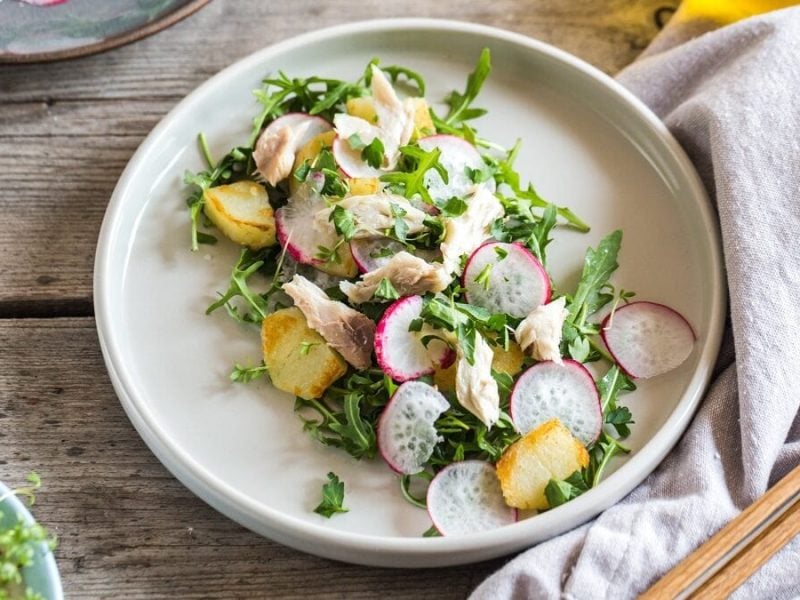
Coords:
314,95
232,167
332,497
19,543
592,294
346,416
250,262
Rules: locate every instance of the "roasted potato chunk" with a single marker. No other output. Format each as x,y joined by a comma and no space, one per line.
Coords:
548,452
297,357
364,186
362,108
423,124
242,212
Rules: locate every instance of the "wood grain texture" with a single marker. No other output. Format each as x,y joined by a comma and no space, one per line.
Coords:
127,528
67,129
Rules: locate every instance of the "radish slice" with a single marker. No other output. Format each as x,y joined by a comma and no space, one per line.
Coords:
506,278
294,225
456,155
406,432
567,392
307,126
648,339
399,352
350,162
371,254
465,497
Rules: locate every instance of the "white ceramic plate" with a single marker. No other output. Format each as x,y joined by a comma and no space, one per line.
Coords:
587,143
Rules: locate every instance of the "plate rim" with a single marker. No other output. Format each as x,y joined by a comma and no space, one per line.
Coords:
165,21
400,551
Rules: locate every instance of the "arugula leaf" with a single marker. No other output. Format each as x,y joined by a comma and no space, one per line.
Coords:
560,491
540,237
314,95
332,497
355,142
524,200
400,225
329,255
464,436
579,349
459,103
386,290
244,374
598,266
232,167
431,532
452,207
483,278
372,153
411,180
346,417
249,263
610,386
343,222
394,72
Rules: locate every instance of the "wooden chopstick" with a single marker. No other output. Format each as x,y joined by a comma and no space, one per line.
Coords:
739,549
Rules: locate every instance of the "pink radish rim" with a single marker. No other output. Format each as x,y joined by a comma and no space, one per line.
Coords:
567,361
380,342
513,510
621,308
455,138
380,426
283,241
542,271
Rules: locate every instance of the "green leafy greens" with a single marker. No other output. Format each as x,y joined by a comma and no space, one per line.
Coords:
332,497
20,543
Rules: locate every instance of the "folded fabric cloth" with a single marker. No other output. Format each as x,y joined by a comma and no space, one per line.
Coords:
730,97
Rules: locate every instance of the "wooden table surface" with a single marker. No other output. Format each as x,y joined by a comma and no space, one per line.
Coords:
127,528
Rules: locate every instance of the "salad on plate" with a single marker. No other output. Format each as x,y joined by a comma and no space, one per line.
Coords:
395,264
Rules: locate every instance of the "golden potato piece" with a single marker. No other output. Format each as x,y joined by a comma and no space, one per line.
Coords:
309,152
362,108
504,361
242,212
423,124
364,186
508,361
548,452
297,357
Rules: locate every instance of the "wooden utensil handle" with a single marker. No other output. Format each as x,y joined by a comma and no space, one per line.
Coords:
739,548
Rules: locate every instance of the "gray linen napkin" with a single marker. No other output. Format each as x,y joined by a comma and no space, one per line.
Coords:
732,99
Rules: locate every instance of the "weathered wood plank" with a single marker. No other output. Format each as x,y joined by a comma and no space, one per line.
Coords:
68,129
609,34
128,529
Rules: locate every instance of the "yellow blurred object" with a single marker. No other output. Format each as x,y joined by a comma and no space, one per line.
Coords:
364,186
725,12
362,108
309,152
